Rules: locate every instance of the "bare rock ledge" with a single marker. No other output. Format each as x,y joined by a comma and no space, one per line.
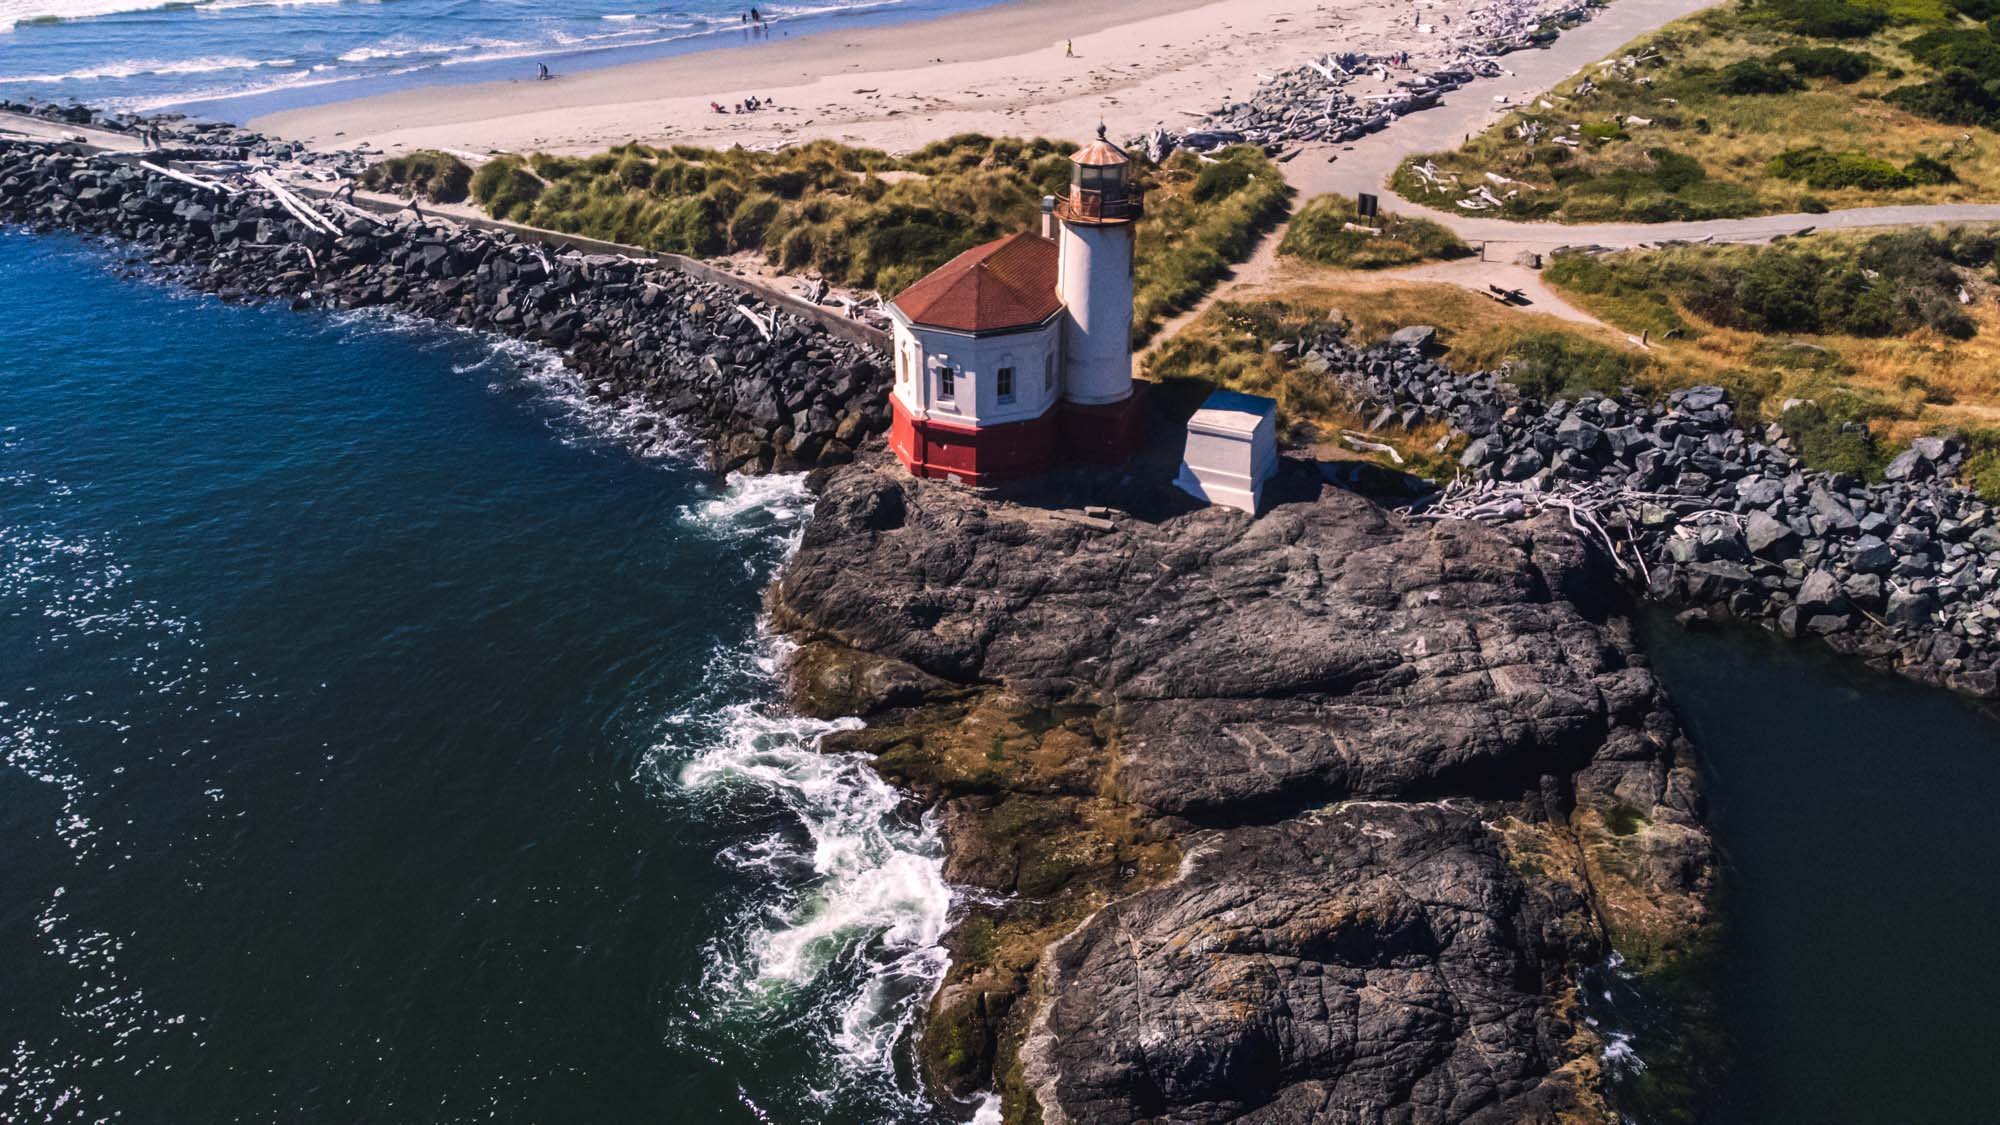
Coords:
1312,817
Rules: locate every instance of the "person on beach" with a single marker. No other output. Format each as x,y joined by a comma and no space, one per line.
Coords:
542,72
1069,48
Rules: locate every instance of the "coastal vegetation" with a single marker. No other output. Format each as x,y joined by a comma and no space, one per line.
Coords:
1855,342
1762,107
865,219
437,176
1329,231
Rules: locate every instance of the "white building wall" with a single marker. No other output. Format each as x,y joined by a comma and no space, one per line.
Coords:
1095,284
922,354
1232,449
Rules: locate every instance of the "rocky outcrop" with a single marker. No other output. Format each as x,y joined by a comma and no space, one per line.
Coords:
1905,571
767,389
1417,777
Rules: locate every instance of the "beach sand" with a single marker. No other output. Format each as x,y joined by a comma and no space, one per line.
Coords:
999,70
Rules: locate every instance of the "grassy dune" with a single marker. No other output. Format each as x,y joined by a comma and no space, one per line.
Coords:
865,219
1323,233
1766,107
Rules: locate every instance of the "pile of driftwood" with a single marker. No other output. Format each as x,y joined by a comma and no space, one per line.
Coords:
1340,96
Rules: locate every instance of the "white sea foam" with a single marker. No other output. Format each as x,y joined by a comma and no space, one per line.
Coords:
988,1112
133,68
849,926
747,502
14,12
1619,1055
864,887
513,365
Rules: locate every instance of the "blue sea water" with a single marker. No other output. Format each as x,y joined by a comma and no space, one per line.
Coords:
231,59
387,735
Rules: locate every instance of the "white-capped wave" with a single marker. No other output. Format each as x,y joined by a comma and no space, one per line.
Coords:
773,499
847,931
15,12
861,885
134,68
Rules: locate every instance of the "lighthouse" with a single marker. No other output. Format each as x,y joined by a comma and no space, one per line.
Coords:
1016,356
1095,240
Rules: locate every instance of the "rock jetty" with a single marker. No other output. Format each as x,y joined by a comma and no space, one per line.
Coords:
1703,508
1313,817
764,388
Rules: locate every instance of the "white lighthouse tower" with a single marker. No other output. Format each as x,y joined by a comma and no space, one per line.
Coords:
1094,282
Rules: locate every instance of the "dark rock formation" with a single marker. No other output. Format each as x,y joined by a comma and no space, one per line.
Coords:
1418,773
1728,516
634,331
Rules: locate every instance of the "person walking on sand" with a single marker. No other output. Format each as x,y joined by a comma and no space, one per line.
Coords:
542,72
1069,48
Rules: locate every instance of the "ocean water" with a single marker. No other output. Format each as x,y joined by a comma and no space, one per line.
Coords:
1854,981
232,59
388,735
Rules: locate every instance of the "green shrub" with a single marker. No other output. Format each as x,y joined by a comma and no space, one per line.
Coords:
1825,170
1955,97
1603,131
1549,365
1982,465
437,176
1220,180
506,189
1925,170
1826,19
1833,441
1837,63
1319,234
751,219
1948,48
1756,76
1891,284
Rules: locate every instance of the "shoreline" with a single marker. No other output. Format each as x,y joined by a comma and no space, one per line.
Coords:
999,70
565,60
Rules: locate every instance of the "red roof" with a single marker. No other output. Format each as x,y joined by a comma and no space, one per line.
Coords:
1009,283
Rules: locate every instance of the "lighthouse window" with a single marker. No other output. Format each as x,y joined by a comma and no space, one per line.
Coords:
1003,384
947,383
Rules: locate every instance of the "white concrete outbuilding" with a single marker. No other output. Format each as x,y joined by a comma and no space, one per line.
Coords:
1232,449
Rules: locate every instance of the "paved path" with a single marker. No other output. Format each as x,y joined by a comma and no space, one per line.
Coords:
1366,165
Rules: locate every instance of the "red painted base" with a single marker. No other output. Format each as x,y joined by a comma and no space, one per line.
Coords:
981,455
1102,435
1067,435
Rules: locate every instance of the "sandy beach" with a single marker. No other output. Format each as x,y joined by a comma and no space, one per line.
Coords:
1000,70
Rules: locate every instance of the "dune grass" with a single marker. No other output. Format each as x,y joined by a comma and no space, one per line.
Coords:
865,219
1329,231
437,176
1763,107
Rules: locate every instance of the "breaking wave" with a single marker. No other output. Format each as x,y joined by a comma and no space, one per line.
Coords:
847,926
134,68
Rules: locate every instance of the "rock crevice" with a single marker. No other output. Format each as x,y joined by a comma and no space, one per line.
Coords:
1311,817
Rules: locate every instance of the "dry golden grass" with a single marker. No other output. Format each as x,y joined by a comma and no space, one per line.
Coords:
1732,137
1921,382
